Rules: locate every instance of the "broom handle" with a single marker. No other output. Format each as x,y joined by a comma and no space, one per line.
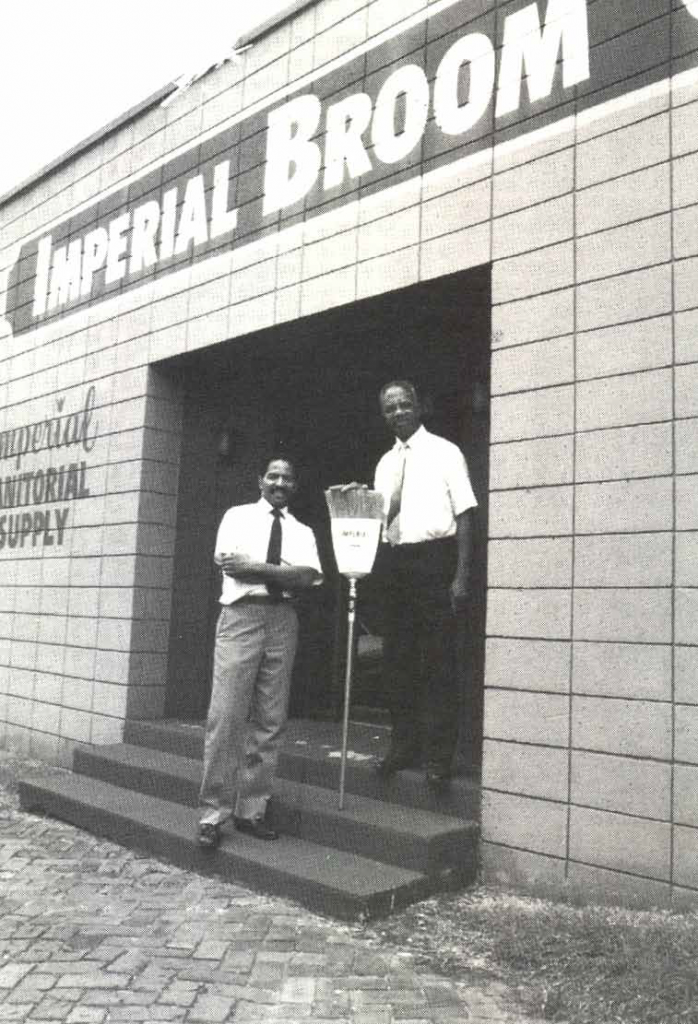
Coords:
351,617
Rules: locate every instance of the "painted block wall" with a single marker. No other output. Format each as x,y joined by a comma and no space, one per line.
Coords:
588,221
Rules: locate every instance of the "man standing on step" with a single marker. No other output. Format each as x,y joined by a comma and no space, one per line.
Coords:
426,563
265,556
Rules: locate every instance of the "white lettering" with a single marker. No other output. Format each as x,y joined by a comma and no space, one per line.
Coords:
532,52
43,265
96,244
477,51
65,274
223,220
346,122
167,224
293,161
146,219
389,145
118,244
192,221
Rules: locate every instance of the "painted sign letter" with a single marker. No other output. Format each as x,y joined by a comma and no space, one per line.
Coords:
532,52
293,161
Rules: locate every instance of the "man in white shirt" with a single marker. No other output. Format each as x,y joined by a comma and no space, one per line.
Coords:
265,556
426,556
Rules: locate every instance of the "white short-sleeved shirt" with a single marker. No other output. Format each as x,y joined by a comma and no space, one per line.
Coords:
245,529
436,485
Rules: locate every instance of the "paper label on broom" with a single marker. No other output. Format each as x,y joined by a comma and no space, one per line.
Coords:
355,542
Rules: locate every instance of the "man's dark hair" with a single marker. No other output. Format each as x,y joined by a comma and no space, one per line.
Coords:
277,456
406,385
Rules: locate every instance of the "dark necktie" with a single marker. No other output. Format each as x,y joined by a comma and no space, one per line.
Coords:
274,551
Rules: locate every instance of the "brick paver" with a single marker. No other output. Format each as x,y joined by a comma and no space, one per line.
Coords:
93,933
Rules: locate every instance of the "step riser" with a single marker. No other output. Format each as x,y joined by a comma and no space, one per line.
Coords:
453,854
406,788
436,855
223,862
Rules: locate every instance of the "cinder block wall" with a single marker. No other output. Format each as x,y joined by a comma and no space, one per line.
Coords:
588,219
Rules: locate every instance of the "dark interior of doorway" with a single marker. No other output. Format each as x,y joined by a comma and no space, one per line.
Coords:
311,387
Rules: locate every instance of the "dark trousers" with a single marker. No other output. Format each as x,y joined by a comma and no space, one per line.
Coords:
420,645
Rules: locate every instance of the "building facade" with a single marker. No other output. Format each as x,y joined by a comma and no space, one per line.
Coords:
498,199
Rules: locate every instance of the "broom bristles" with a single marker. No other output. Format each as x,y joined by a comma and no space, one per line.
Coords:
354,503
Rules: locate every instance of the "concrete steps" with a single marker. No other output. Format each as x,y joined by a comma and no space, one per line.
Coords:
393,843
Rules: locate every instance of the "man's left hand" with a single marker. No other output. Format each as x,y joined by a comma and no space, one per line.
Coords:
459,593
239,566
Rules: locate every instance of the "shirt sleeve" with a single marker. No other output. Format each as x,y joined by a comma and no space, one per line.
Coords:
458,481
225,538
311,554
381,480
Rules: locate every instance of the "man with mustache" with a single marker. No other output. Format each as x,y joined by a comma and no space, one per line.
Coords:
265,556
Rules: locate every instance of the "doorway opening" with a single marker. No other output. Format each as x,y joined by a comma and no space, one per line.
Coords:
311,387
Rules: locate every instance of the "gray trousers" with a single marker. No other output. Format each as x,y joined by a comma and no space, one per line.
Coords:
252,663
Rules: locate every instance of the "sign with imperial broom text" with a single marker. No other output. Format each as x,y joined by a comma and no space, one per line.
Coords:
458,78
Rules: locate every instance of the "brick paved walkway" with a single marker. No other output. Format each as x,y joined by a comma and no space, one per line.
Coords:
90,932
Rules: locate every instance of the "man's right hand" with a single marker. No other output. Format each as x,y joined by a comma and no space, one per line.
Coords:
353,486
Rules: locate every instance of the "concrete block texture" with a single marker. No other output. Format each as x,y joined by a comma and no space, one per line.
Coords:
531,463
686,733
542,413
623,200
633,560
624,151
686,615
686,442
627,785
636,615
540,511
540,562
539,826
631,728
686,674
622,452
528,664
620,842
542,316
537,365
541,718
543,614
686,795
686,856
635,671
624,400
624,506
624,348
621,249
526,769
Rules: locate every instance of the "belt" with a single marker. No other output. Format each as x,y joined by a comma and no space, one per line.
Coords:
262,599
420,545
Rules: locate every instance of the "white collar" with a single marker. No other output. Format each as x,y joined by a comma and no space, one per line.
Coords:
412,441
267,507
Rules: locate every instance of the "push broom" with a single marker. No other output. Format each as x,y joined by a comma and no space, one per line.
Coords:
356,514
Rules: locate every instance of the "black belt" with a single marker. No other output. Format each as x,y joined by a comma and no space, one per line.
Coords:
262,599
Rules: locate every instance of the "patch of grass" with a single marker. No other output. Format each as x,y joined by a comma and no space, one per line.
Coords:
589,965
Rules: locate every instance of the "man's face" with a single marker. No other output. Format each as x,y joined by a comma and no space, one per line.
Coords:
401,411
278,483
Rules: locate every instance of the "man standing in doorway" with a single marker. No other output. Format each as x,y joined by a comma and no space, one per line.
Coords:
265,556
426,556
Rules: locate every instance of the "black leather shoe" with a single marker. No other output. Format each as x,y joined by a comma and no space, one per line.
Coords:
395,762
209,835
256,827
438,779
